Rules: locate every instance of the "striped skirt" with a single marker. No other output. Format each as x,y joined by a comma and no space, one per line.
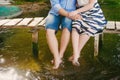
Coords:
93,21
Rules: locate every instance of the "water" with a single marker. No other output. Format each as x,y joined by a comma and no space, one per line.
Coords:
18,59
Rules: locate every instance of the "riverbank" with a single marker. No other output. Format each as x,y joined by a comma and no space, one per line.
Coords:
34,9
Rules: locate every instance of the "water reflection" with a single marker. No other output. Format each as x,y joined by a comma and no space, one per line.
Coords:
11,73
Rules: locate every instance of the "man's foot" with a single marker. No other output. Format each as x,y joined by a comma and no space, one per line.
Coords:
57,64
52,61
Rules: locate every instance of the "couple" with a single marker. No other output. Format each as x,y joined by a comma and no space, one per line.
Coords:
88,20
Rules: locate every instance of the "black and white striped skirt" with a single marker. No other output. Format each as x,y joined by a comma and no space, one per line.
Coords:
93,22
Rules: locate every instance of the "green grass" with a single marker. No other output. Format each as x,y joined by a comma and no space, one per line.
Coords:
111,12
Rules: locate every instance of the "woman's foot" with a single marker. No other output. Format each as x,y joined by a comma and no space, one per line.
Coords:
70,58
74,61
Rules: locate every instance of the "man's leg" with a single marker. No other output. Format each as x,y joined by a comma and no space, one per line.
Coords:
65,37
66,24
53,45
52,24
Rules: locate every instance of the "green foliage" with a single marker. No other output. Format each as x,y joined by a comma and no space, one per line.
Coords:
31,0
112,2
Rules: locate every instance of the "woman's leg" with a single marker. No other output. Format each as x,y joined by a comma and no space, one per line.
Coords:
82,41
75,44
78,42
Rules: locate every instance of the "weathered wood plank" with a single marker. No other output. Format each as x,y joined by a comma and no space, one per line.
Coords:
110,25
118,25
13,22
35,21
24,22
112,31
4,2
4,21
42,23
96,45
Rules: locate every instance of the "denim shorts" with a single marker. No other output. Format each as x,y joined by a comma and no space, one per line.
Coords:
54,22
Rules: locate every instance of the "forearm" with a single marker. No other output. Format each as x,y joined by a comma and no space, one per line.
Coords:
86,7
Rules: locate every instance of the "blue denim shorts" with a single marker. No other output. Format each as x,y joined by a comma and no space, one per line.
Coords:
54,22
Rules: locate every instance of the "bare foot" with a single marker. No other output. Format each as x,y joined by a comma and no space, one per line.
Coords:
70,58
52,61
57,64
75,63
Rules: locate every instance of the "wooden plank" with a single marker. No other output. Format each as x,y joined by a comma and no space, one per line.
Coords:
96,45
110,25
3,2
42,23
35,21
13,22
24,22
112,31
4,21
118,25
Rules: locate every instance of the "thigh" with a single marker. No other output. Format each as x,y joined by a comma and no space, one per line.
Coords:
52,22
66,23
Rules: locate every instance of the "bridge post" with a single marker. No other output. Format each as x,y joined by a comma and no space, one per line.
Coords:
35,42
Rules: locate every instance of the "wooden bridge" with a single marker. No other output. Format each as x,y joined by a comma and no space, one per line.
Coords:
5,2
36,23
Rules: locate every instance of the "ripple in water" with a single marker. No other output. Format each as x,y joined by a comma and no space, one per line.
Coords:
15,74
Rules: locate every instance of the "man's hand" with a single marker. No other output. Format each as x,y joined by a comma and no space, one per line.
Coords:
75,17
73,13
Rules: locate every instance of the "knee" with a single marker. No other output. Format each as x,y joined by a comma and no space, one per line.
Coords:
50,32
66,30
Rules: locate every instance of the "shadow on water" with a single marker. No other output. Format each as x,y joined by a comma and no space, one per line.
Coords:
22,59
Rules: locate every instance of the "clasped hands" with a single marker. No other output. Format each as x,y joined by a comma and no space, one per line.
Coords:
74,15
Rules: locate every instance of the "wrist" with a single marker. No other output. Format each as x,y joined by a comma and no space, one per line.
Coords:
67,14
77,11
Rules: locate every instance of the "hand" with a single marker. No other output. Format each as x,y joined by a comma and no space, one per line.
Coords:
73,13
77,16
70,17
